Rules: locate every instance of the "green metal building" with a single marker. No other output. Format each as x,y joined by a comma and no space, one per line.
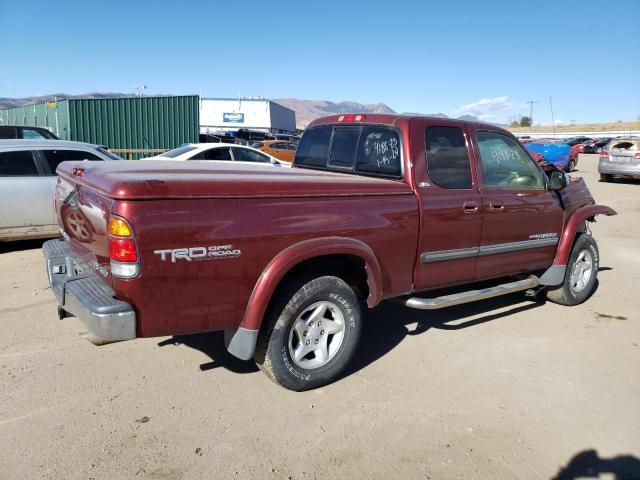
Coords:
129,123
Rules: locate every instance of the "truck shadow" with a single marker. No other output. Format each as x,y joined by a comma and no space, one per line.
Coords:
385,327
588,464
389,323
21,245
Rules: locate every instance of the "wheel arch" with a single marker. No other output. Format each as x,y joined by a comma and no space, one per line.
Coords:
327,254
575,225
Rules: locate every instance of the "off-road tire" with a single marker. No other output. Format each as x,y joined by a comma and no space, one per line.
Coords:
606,177
564,294
272,354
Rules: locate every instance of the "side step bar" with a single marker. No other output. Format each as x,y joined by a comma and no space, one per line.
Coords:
471,295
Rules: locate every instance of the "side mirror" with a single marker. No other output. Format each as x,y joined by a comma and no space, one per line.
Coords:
558,180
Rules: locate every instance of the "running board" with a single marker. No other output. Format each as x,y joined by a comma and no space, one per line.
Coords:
471,295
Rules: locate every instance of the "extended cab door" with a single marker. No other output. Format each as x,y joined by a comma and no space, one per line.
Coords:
522,220
451,205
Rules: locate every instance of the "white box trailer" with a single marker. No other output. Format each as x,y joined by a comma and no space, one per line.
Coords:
219,115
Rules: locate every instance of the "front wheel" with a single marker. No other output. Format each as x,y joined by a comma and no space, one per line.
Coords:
310,333
580,277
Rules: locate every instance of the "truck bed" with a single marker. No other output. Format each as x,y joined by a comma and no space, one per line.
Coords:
163,180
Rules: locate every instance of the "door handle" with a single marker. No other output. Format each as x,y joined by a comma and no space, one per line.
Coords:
470,207
496,206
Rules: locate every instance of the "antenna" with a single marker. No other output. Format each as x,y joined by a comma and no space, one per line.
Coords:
531,102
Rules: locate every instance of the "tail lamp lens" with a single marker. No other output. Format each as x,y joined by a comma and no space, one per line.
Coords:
119,227
122,250
604,154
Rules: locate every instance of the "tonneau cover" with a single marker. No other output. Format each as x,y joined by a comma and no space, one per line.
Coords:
147,179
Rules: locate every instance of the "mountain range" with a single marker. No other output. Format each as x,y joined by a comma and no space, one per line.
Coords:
306,110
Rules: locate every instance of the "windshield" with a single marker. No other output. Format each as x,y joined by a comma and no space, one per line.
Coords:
107,153
176,152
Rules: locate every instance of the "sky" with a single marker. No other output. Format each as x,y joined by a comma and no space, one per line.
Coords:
482,58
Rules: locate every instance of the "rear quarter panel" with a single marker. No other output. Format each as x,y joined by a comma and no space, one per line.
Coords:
212,294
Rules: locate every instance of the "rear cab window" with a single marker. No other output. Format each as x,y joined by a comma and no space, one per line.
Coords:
363,149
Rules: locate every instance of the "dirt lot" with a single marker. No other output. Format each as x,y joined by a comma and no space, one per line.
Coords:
506,388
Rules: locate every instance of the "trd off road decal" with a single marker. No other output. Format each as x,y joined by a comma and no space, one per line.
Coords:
198,253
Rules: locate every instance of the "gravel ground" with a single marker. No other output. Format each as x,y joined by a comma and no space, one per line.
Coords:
505,388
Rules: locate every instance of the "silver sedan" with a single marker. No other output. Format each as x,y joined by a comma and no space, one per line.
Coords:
27,179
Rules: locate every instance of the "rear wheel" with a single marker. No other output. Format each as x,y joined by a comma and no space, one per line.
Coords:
572,166
310,333
580,277
606,177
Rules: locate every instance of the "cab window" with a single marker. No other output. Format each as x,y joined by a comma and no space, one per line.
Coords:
505,163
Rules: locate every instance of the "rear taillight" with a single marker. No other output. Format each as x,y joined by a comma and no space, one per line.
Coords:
123,249
604,154
636,156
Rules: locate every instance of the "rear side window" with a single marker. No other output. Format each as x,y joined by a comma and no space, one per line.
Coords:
447,160
31,134
55,157
8,132
213,154
367,149
246,155
17,164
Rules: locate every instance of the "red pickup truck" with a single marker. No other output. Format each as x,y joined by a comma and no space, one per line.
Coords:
285,261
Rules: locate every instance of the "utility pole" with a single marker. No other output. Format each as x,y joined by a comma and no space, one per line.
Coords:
531,102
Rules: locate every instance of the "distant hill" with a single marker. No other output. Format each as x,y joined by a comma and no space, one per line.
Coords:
17,102
308,110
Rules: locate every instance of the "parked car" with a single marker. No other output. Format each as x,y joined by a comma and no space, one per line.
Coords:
29,133
555,153
218,152
27,179
286,137
620,159
285,263
596,145
575,140
574,154
284,151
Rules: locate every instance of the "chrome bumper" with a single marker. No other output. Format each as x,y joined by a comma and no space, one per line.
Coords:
81,293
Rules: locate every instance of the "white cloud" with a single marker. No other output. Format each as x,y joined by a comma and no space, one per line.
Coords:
486,108
557,121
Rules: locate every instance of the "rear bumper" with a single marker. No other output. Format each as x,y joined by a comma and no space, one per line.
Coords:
81,293
619,169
